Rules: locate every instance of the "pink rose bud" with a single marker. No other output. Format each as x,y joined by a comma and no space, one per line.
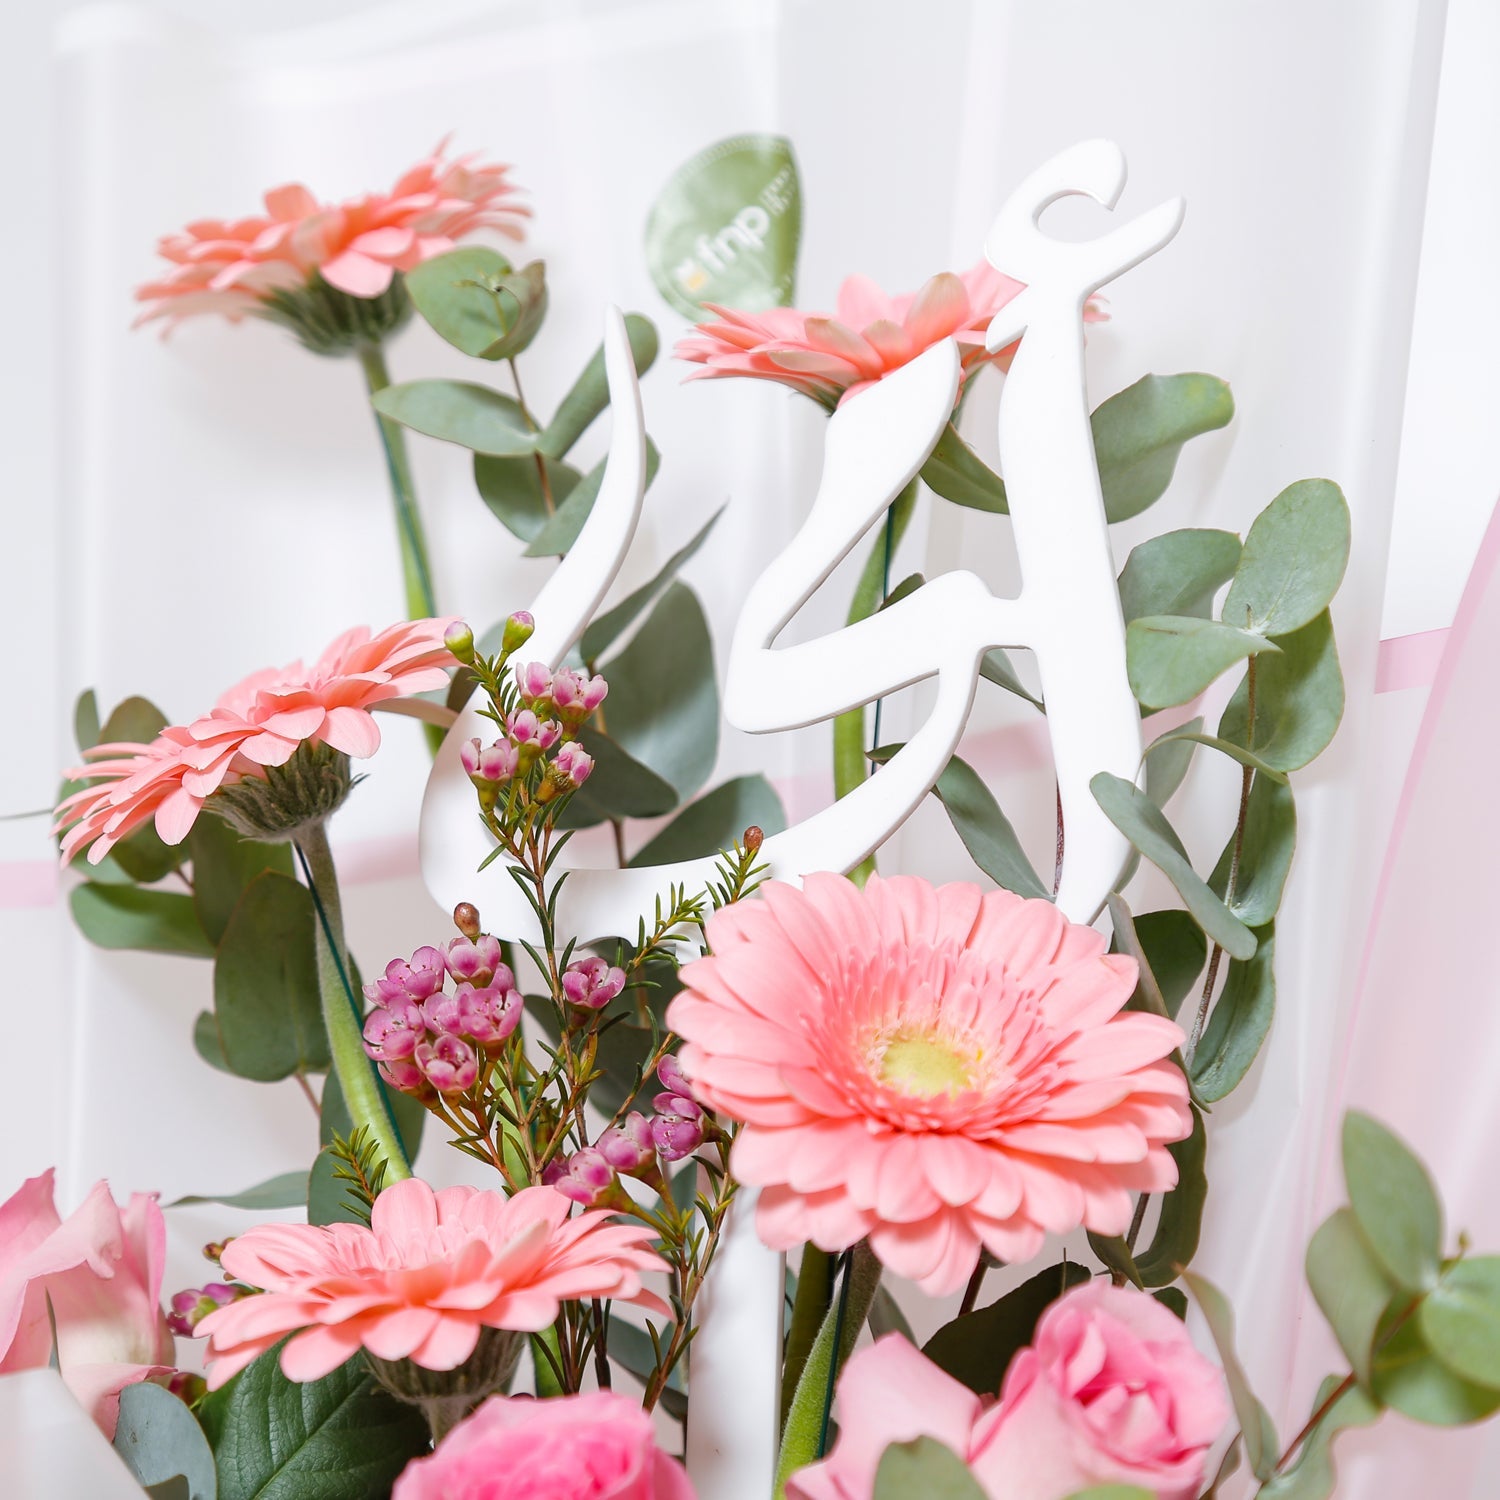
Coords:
394,1032
477,960
534,682
591,983
459,639
449,1064
518,629
490,1014
628,1146
440,1012
588,1178
403,1074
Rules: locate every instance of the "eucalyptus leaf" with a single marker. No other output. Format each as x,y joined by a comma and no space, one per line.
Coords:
338,1438
1116,1257
630,1347
1293,562
289,1190
512,488
1266,848
1167,760
1176,949
619,787
145,858
1195,736
1350,1287
716,821
1409,1378
1299,699
207,1042
590,393
604,631
995,666
450,292
224,863
1241,1018
925,1468
1139,433
954,471
159,1439
1256,1427
458,411
1175,1242
663,704
1170,659
1146,826
522,300
1395,1202
86,724
128,916
976,1348
1112,1492
135,721
266,997
562,528
886,1316
1312,1475
1177,573
1460,1319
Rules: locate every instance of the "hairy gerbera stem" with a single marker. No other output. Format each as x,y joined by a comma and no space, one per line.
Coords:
849,763
421,602
355,1072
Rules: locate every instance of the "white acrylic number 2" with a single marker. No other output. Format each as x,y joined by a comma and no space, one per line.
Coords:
1068,612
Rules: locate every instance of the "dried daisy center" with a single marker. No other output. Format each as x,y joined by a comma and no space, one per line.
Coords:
924,1065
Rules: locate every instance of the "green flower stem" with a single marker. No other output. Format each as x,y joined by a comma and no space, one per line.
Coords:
850,766
421,601
355,1072
813,1299
806,1424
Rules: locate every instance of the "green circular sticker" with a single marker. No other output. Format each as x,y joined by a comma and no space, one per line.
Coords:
726,228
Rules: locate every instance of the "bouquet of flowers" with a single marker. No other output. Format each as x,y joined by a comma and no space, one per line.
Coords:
908,1089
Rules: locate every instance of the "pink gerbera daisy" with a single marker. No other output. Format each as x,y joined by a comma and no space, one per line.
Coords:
832,357
938,1070
259,722
430,1274
232,266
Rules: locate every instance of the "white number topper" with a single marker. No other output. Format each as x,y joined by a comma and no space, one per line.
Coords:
1068,613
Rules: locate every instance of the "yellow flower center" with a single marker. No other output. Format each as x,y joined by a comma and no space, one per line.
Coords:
925,1067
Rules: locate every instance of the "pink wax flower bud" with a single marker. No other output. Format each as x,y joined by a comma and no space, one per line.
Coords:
673,1079
572,765
421,976
677,1136
534,683
628,1147
449,1064
440,1012
385,992
488,1015
517,632
395,1031
403,1074
477,961
459,639
190,1307
592,983
577,696
588,1179
184,1384
678,1104
488,764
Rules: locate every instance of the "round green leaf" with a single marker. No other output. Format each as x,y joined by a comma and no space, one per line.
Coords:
445,293
457,411
1239,1023
954,471
619,787
86,724
1174,946
1350,1286
1293,562
1270,837
727,226
1409,1379
1395,1202
924,1467
1175,1242
1256,1427
127,916
1139,433
288,1190
1170,659
1461,1320
224,863
561,529
590,393
159,1438
266,999
1177,573
1299,699
512,488
1167,761
716,821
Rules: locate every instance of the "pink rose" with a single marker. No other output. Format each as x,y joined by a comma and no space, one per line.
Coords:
599,1446
1112,1391
102,1270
